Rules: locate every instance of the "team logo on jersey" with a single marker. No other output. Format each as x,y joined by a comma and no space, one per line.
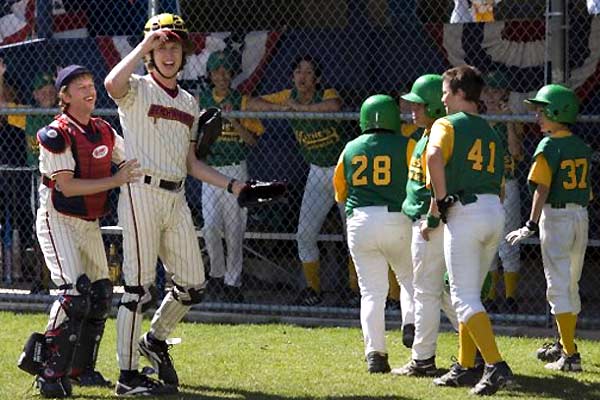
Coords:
51,133
157,112
100,151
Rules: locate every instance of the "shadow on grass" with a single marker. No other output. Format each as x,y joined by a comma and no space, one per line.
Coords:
185,392
559,386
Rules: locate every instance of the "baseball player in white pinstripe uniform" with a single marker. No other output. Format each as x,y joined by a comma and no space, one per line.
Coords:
160,122
76,152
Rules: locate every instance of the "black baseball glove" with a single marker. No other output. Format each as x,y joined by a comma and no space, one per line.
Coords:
210,125
444,204
256,193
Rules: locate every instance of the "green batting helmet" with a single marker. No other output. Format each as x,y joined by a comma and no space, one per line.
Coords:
560,104
380,111
427,90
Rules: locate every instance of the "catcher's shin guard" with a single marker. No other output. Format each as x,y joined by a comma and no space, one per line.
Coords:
92,328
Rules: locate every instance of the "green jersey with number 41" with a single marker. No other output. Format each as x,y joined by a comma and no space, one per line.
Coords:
569,159
476,165
375,169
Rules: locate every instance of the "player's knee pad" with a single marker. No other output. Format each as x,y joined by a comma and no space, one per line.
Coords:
188,295
100,299
76,308
139,299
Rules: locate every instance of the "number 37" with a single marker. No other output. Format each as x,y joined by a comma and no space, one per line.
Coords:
573,166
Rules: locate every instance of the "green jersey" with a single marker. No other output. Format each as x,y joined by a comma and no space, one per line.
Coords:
510,163
375,169
476,165
569,159
33,124
320,141
418,196
229,148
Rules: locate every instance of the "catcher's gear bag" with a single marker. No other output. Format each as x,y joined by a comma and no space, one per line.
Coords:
256,193
34,354
210,125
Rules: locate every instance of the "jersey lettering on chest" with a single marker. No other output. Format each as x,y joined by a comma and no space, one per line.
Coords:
158,111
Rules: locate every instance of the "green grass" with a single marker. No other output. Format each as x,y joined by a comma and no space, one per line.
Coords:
288,362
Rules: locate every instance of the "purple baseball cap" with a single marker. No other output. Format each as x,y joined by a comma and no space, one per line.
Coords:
69,73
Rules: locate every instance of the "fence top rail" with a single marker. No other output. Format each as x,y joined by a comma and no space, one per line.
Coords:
346,116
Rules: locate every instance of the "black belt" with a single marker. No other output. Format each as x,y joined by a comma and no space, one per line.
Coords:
165,184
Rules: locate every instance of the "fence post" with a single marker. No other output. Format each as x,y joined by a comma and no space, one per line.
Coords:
557,17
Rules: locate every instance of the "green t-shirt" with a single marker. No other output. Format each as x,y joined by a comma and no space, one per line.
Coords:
510,163
418,196
33,123
321,141
229,148
375,170
569,159
476,165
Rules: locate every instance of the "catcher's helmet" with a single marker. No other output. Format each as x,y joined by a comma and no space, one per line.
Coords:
427,90
380,112
168,21
559,103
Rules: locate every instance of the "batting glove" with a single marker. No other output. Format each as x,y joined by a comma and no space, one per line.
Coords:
517,236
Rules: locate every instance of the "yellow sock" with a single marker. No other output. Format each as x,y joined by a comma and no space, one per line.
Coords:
311,273
352,277
495,278
480,328
566,328
511,280
394,291
466,347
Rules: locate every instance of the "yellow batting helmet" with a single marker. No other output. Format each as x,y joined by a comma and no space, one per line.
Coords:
166,21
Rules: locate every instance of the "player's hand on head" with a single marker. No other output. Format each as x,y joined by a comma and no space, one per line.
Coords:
154,39
129,172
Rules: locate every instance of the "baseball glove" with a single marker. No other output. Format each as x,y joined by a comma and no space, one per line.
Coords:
210,125
256,193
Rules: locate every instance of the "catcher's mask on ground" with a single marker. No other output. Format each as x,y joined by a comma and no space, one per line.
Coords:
177,31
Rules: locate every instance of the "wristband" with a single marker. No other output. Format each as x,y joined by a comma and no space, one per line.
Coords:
432,221
532,226
230,185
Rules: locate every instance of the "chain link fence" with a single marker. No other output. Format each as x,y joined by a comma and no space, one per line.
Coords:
271,255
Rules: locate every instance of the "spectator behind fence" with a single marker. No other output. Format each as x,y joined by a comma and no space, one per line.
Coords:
473,11
223,218
14,183
44,95
321,142
495,100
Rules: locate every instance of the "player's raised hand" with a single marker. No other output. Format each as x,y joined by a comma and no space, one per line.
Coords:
518,235
129,172
153,39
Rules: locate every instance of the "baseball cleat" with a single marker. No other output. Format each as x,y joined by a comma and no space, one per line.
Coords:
417,368
459,376
142,385
90,378
550,352
157,352
377,363
495,377
308,297
566,363
408,335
